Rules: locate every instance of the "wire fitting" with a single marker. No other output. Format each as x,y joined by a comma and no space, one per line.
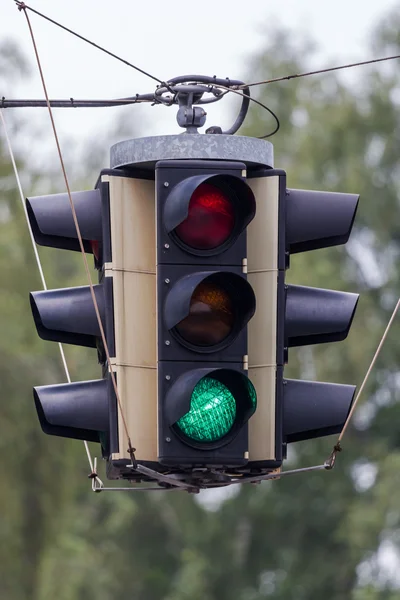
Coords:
131,451
330,462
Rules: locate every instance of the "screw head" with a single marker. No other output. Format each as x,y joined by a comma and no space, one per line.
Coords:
167,342
167,439
166,280
166,246
168,377
166,184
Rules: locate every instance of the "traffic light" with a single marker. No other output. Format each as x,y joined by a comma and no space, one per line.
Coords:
313,316
125,296
290,221
76,410
204,303
191,256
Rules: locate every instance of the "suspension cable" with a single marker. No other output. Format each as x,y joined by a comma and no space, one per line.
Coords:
25,7
80,240
337,447
319,71
39,264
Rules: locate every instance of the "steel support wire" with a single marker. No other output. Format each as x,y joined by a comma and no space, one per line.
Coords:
173,484
177,485
39,265
319,71
337,447
24,7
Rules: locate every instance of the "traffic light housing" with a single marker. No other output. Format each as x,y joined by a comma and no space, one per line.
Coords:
204,303
290,221
79,410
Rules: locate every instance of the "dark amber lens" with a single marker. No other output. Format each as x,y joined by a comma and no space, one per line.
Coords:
210,319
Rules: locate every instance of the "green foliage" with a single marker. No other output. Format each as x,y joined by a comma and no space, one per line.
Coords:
303,537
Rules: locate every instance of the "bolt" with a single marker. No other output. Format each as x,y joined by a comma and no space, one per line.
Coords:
167,439
166,184
166,246
166,280
168,377
167,342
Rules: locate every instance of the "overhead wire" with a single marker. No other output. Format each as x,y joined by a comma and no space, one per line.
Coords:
74,103
319,71
25,7
238,89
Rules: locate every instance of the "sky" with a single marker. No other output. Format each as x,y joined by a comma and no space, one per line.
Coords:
168,39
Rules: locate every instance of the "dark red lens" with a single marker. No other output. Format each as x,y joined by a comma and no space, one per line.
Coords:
210,220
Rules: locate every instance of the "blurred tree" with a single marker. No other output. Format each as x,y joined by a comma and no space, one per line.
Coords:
309,536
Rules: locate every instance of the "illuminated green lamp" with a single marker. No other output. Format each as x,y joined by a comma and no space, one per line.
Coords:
212,411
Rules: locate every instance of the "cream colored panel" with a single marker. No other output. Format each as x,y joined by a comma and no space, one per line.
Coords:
132,215
262,274
133,268
135,318
262,327
262,232
138,393
262,423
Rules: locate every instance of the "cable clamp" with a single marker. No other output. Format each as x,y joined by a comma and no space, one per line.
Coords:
330,462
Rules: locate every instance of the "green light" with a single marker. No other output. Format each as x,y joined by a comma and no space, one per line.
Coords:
212,412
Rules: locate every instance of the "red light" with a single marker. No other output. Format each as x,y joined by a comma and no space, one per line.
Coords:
210,220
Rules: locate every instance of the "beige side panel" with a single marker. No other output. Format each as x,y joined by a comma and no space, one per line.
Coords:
138,392
262,232
262,424
262,327
133,268
133,224
262,269
135,318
